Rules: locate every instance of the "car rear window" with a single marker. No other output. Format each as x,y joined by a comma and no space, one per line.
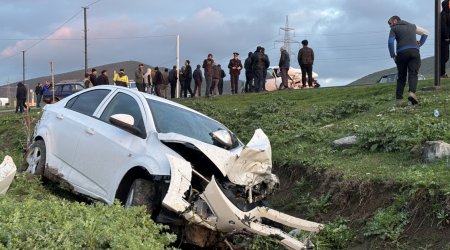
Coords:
87,102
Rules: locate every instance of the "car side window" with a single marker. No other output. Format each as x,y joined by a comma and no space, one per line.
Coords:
87,102
124,104
67,87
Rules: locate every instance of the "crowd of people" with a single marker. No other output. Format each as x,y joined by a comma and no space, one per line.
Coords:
255,65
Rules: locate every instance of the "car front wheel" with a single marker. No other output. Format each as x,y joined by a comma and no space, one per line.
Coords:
36,158
142,193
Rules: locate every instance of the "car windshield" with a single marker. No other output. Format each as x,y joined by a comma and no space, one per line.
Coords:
171,119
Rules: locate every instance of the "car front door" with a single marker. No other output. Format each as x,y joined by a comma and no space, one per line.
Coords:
107,147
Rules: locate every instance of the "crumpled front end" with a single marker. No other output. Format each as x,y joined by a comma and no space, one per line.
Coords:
225,191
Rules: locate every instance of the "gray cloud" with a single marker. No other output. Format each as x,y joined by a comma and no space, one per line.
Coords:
349,36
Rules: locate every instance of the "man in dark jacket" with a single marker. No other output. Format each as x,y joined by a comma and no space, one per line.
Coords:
187,79
208,68
173,78
103,78
93,77
198,78
407,56
248,73
158,81
139,78
222,75
445,36
266,66
38,91
259,62
284,65
215,79
235,67
306,60
21,96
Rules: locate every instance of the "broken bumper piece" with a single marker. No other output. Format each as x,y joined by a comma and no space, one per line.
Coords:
230,218
225,216
7,172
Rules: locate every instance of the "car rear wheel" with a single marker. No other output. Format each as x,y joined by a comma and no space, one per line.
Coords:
36,158
142,193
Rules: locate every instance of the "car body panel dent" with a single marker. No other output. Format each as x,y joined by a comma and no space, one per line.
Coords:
219,156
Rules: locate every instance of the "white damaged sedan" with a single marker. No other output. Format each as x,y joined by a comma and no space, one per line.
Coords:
189,170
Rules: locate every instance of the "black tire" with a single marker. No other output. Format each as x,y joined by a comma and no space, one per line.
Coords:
142,192
36,158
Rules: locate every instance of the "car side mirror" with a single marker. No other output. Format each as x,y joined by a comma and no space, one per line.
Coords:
125,122
223,137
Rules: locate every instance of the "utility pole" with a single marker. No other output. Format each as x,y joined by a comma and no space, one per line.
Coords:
287,36
53,81
177,95
23,70
85,41
437,45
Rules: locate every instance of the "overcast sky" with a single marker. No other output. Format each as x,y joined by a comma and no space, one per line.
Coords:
349,37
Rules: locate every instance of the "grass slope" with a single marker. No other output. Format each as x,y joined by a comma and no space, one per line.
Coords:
375,191
302,125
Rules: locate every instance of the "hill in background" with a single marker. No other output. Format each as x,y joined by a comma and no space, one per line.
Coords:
9,90
426,69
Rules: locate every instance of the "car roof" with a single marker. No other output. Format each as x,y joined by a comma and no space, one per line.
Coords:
146,96
63,83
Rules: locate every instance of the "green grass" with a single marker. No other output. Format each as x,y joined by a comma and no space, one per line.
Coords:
302,124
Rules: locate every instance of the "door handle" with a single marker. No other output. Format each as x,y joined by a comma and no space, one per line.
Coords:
60,116
90,131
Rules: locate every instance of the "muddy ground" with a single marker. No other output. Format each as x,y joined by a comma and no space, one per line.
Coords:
358,201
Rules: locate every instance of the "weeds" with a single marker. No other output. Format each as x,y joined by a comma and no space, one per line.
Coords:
335,235
388,223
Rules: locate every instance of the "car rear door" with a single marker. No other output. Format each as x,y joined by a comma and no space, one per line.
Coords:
106,147
68,124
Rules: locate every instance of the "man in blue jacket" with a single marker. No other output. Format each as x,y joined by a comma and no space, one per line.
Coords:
407,56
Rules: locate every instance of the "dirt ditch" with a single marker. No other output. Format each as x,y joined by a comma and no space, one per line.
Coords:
359,201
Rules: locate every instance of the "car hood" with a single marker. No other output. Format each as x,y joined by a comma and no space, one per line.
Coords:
247,166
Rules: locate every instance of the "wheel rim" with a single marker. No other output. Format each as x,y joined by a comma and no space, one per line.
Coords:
130,197
33,159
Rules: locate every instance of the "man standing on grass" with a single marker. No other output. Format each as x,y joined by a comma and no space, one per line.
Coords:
235,67
305,59
407,56
284,65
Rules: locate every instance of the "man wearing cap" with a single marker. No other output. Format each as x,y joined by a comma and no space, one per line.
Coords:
284,65
121,79
235,67
208,67
305,59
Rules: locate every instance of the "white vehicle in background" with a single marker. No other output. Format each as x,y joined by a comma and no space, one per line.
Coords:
132,84
273,79
190,171
389,78
4,101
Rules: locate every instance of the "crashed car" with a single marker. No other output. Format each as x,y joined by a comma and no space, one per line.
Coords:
190,171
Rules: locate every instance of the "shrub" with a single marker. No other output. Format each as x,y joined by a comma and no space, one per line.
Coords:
335,235
36,219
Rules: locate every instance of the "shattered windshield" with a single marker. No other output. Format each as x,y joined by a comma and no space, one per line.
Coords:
171,119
